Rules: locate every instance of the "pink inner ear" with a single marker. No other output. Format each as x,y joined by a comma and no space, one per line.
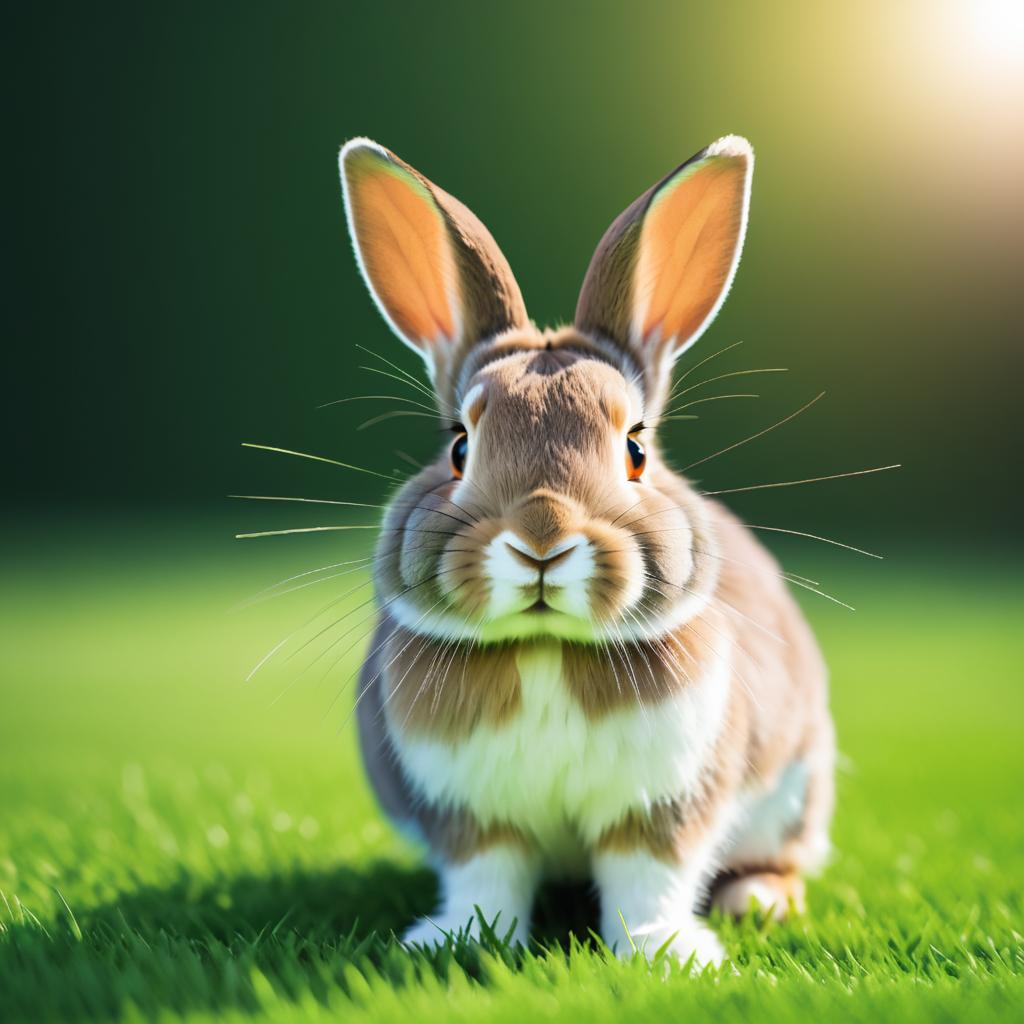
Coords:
688,245
404,246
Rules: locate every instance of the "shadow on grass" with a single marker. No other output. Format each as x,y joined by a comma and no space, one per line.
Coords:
189,947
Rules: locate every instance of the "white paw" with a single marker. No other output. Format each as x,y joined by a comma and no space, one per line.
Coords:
773,895
684,941
434,931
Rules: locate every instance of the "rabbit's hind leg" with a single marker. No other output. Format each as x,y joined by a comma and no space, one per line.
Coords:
783,835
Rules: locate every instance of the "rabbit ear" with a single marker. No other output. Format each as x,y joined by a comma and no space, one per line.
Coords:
663,268
433,269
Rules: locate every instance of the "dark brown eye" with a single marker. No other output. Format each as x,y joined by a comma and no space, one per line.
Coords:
636,458
460,449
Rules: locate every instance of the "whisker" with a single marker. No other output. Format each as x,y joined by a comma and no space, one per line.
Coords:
698,365
814,536
380,397
428,674
733,373
785,575
611,664
406,457
452,645
475,518
322,458
409,381
639,519
378,610
797,581
403,528
671,414
311,583
624,660
395,414
661,646
628,510
406,375
391,398
643,648
351,504
732,663
307,501
720,600
302,529
754,437
292,634
413,635
730,640
309,572
794,483
406,378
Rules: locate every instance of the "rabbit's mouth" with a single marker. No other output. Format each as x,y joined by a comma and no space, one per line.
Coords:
493,582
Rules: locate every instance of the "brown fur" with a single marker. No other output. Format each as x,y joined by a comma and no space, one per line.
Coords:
604,680
452,832
546,442
458,836
557,393
449,690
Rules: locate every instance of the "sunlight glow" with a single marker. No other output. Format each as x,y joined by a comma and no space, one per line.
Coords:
994,30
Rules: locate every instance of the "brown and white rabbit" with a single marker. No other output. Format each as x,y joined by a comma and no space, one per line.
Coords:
582,667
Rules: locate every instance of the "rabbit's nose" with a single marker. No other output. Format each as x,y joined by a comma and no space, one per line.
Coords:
529,556
547,519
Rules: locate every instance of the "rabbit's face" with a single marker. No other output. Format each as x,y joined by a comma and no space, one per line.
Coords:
555,516
548,518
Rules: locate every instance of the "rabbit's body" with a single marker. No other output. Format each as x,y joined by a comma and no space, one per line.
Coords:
543,764
583,668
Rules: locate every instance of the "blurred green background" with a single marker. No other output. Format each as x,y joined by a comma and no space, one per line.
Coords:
181,282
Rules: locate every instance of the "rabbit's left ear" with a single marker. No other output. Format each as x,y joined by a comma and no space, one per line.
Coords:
664,267
434,270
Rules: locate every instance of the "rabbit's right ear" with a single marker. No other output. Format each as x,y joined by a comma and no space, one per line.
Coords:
435,272
663,268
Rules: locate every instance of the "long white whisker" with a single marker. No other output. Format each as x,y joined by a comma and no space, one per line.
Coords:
307,501
698,365
304,529
793,483
814,536
321,458
733,373
671,414
413,635
395,414
754,437
299,575
391,398
720,600
311,583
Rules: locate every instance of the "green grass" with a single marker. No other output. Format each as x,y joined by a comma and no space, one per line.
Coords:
174,842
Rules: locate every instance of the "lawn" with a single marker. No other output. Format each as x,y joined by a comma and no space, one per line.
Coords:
175,841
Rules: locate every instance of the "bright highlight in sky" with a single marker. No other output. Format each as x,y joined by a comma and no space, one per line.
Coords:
994,30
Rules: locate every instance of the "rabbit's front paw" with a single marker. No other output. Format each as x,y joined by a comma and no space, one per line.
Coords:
682,941
434,931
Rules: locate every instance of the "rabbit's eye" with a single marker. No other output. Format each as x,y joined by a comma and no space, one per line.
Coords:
460,449
636,458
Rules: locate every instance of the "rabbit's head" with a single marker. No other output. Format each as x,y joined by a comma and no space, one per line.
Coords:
549,511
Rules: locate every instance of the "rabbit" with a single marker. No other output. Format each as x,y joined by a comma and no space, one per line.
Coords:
582,668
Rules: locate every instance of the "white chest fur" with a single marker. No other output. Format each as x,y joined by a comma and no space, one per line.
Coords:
553,773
